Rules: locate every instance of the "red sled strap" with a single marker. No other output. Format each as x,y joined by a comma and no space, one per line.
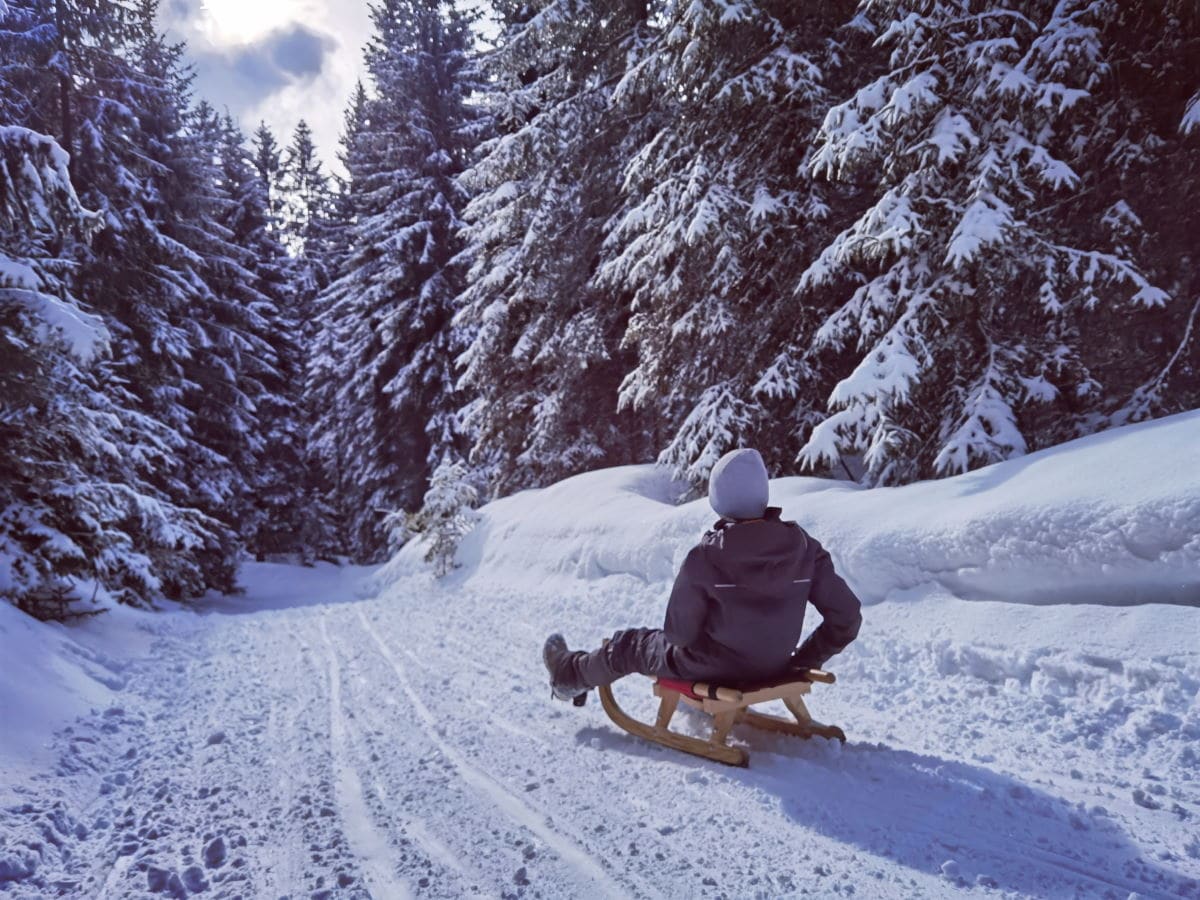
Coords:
683,687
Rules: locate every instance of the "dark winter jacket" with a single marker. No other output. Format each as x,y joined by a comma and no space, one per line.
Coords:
737,607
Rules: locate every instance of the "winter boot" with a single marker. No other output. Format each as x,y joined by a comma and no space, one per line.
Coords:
565,683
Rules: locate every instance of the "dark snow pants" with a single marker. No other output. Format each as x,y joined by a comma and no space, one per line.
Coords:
645,651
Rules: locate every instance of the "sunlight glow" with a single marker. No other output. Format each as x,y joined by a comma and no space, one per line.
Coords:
236,21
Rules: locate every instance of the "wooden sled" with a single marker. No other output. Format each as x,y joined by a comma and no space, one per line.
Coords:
727,706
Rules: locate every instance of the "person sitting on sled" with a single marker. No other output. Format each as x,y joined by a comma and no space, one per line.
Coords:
737,607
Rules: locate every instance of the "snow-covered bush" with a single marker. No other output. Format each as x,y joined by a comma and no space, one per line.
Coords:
446,516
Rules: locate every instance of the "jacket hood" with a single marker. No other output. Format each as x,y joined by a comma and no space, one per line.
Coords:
738,487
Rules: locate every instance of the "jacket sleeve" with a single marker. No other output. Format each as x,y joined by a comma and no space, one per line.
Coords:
840,610
688,606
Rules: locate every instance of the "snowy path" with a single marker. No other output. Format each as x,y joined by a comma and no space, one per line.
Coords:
405,745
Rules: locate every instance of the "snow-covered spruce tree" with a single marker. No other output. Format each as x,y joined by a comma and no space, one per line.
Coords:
1140,189
720,217
975,287
234,320
324,366
305,207
74,504
46,343
314,225
267,158
92,502
49,47
544,365
394,413
277,516
146,273
446,516
303,496
28,85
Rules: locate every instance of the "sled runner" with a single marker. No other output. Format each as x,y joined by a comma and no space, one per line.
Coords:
727,706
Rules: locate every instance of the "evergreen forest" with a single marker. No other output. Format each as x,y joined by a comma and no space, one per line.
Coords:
879,241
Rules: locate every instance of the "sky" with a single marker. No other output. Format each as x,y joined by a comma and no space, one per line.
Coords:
276,61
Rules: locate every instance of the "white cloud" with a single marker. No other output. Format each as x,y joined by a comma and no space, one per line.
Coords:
276,60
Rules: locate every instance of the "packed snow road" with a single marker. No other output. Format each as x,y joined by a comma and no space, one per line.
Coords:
1022,706
324,745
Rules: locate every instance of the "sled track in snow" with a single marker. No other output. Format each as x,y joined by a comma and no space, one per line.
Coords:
369,846
507,802
367,737
494,718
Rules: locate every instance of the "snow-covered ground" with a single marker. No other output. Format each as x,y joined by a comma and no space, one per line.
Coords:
1022,708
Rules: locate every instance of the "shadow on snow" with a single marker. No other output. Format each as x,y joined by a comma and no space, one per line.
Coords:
275,586
964,823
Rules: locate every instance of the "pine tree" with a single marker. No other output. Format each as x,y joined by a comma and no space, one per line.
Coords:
1140,141
545,362
325,369
305,208
268,163
306,522
313,224
719,218
85,492
146,273
233,319
29,84
251,274
973,288
50,50
46,411
395,403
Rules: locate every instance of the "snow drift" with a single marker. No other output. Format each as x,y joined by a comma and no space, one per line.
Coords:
1113,518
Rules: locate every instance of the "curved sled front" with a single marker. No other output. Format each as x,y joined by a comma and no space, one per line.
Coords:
719,752
727,706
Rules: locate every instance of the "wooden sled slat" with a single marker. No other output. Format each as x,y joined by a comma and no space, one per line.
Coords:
718,752
796,729
727,706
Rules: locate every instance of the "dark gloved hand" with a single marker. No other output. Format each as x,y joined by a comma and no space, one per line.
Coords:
807,657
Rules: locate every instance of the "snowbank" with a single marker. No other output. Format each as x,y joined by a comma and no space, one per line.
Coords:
1113,518
52,673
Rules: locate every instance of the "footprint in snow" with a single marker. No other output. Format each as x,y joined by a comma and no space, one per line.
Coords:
215,852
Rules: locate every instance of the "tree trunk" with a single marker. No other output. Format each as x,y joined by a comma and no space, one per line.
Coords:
64,89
